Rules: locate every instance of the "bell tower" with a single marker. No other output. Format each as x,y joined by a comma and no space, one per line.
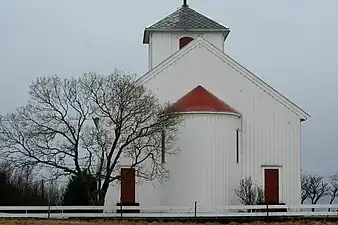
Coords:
177,30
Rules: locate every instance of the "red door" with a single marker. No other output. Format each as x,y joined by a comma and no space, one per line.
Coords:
271,186
127,185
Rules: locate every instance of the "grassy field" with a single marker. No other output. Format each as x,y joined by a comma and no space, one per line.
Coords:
78,222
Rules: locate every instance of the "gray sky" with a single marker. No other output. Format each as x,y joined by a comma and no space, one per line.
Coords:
289,44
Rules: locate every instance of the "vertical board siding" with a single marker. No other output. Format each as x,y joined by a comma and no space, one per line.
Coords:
270,132
206,166
163,44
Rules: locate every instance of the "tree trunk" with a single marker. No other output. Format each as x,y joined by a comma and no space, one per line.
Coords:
331,201
103,192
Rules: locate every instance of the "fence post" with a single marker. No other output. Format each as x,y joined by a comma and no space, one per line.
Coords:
121,210
195,209
267,209
49,201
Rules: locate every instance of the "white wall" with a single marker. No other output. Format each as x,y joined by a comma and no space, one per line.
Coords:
146,193
270,132
164,44
206,165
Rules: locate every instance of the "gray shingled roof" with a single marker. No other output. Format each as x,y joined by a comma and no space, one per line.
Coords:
184,19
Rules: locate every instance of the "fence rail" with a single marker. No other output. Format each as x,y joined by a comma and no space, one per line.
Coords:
194,211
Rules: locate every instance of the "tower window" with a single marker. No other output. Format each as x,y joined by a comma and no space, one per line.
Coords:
184,41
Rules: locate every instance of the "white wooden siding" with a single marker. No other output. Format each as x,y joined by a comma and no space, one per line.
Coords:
148,194
206,170
163,44
270,131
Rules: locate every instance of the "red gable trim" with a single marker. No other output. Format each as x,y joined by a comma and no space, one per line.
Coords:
200,99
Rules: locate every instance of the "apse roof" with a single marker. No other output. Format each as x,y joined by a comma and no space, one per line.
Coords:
200,99
185,19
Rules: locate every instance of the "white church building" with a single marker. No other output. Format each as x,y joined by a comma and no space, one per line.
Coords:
235,125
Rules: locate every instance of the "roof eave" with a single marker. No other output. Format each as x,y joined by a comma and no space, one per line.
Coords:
226,34
146,37
305,116
147,31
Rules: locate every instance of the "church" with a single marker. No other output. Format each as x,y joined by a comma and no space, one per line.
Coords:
235,125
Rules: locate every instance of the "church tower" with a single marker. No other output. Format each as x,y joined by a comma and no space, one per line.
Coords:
176,30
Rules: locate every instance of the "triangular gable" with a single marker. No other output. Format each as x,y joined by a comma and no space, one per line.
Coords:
200,41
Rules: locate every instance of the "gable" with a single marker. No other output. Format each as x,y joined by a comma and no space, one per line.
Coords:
231,63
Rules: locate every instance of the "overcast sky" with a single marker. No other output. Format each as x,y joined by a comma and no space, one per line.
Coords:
290,44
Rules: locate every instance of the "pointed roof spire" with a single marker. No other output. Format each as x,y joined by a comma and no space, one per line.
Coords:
185,19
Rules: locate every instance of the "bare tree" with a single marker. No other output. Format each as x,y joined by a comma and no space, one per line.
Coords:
248,193
55,131
333,189
314,187
304,187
